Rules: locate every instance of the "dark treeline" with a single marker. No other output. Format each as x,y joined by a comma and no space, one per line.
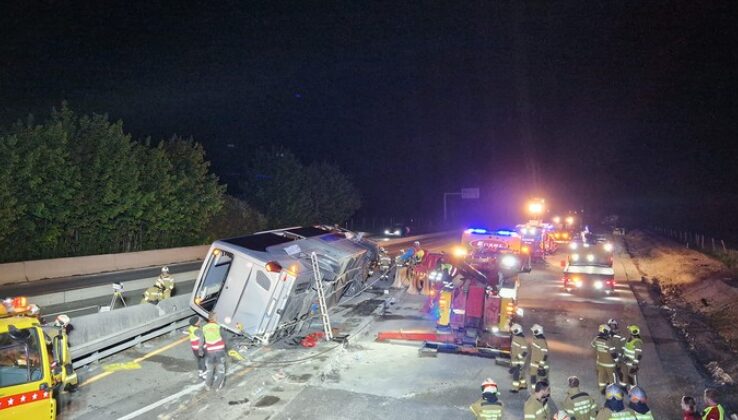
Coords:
79,185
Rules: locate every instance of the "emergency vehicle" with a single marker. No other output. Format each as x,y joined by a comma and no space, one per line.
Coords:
35,369
537,236
473,295
588,268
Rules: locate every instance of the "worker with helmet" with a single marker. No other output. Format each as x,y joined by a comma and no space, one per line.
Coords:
632,350
578,405
615,408
606,357
618,341
197,343
163,287
489,406
419,252
537,406
215,353
518,354
538,368
638,404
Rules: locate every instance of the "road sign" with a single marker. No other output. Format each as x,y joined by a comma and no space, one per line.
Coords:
470,193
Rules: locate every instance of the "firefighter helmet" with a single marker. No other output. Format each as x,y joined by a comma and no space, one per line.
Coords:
561,415
516,329
614,391
165,270
62,320
536,329
612,323
634,329
637,394
416,244
489,387
604,329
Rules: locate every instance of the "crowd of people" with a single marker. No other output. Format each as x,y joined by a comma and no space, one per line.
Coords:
617,361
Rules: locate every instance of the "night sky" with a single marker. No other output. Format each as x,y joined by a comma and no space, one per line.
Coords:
618,106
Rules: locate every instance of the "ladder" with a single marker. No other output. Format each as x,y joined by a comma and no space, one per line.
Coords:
321,298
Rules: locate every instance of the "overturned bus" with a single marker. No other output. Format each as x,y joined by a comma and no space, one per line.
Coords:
261,286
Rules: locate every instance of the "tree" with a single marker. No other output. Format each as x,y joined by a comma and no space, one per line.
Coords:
334,197
235,218
289,193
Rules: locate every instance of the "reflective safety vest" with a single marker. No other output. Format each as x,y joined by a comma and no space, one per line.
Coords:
632,351
195,338
213,339
607,414
604,351
645,416
707,410
487,410
579,405
519,350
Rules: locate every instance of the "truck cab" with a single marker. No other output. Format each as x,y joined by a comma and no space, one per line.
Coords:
588,268
34,369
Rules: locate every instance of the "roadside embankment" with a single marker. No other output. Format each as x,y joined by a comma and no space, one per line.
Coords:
697,291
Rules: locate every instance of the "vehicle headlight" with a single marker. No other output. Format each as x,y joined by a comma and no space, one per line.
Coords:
386,232
608,247
575,257
578,282
598,285
397,231
519,311
573,245
460,251
590,257
508,261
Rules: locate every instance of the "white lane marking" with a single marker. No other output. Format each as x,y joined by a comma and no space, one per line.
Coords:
189,390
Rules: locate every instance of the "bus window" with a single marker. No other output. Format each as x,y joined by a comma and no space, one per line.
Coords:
20,361
215,277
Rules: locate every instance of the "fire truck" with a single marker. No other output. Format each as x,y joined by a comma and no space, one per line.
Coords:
35,368
537,236
473,295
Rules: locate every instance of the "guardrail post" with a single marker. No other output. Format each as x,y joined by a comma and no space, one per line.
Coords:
722,242
713,244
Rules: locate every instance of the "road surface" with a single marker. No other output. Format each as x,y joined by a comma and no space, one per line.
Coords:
369,380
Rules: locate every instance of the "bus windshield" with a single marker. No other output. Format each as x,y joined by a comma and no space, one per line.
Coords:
20,361
215,276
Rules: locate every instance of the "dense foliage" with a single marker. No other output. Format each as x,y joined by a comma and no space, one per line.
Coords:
77,185
290,193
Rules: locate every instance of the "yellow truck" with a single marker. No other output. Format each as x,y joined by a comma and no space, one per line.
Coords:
35,364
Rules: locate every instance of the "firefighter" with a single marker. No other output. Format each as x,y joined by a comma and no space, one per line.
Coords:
578,404
632,350
538,368
537,407
638,405
518,353
489,406
606,357
197,343
618,341
713,409
614,408
162,289
215,353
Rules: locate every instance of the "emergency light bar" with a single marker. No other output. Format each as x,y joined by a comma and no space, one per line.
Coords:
476,230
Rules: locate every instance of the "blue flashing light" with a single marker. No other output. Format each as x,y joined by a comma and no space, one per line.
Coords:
476,230
505,232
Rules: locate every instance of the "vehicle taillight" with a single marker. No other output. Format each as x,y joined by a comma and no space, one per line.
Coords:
273,267
611,282
510,308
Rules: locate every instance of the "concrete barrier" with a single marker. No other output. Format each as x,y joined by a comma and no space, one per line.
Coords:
95,332
29,271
